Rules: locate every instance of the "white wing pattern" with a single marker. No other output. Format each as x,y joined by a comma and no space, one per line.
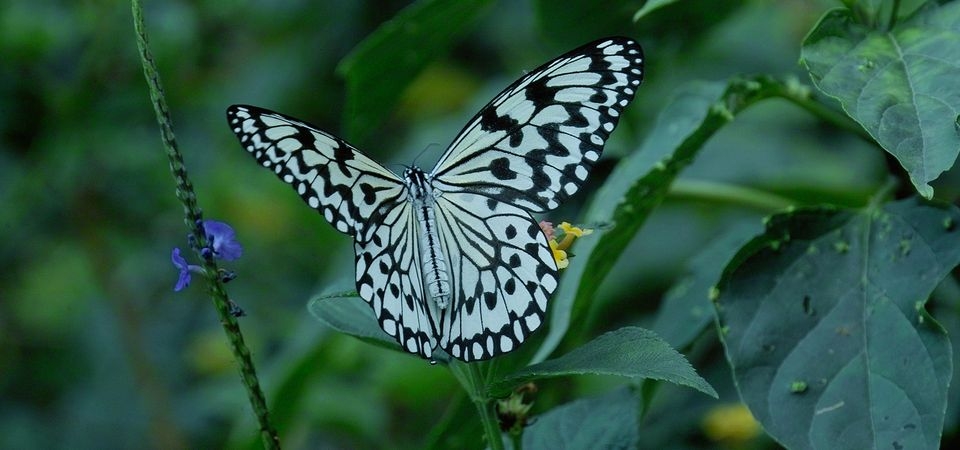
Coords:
454,258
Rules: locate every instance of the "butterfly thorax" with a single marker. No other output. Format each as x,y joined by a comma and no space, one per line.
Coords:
423,199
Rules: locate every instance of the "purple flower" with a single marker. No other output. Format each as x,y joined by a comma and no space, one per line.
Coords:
180,263
221,244
222,240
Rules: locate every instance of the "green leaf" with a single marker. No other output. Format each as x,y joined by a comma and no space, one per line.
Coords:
347,313
381,67
686,308
649,6
824,326
607,421
901,85
628,352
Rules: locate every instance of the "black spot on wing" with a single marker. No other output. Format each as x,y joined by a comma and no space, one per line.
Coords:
500,168
490,300
511,232
540,93
490,121
510,286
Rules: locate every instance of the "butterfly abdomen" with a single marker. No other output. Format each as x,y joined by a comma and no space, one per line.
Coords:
434,265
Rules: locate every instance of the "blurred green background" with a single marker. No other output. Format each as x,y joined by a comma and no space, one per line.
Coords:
97,351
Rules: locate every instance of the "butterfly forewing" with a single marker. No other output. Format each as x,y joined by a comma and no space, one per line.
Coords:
340,182
533,145
526,151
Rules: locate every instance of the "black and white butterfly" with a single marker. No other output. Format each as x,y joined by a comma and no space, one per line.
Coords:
452,257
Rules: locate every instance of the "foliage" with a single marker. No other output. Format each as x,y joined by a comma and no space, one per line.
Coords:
828,319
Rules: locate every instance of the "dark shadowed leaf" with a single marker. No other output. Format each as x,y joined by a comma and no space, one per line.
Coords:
824,325
579,21
899,84
628,352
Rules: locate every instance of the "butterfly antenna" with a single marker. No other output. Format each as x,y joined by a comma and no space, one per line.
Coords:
422,152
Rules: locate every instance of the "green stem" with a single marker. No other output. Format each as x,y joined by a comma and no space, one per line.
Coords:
517,440
727,193
193,219
801,96
883,194
473,381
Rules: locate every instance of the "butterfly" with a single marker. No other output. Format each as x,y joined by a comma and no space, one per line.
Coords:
452,257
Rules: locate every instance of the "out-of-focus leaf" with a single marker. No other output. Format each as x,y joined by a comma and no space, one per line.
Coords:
628,352
608,421
824,325
686,308
383,65
574,22
649,6
348,313
899,84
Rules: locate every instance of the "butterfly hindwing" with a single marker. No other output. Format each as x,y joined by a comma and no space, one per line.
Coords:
501,279
533,145
333,177
389,278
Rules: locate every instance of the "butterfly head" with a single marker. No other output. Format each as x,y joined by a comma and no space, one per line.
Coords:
417,183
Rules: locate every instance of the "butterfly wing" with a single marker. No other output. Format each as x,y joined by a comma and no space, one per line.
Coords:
526,151
501,273
347,187
359,197
533,145
389,278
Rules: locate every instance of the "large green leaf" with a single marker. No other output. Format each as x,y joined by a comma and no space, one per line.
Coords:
823,322
628,352
902,85
383,65
608,421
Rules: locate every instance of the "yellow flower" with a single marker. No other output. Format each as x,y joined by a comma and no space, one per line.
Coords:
559,248
574,231
559,256
732,424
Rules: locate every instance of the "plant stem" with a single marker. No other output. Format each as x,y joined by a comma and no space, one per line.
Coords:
883,194
193,219
800,95
517,440
469,376
727,193
490,426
